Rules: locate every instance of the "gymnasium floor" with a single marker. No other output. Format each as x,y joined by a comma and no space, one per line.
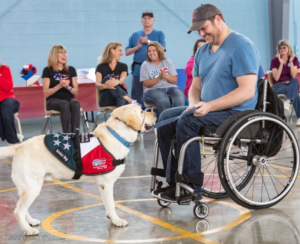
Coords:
72,212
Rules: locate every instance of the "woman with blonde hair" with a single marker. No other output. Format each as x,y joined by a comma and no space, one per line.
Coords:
159,77
284,70
60,86
8,107
110,77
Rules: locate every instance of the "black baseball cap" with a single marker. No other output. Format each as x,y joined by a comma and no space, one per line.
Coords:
147,13
201,14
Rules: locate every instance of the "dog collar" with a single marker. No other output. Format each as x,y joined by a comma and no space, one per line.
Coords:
119,138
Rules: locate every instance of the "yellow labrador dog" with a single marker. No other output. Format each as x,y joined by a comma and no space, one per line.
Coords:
32,163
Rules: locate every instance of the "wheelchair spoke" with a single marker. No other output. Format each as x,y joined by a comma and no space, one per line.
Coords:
271,175
279,171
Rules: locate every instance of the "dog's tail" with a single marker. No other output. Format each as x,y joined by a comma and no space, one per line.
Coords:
9,151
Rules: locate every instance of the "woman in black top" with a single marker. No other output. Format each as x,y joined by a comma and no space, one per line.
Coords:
60,86
110,77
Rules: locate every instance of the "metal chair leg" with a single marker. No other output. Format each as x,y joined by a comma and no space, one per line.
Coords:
50,124
105,116
96,120
44,126
19,125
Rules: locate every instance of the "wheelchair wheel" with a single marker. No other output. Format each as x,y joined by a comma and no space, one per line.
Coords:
273,156
201,210
212,186
163,203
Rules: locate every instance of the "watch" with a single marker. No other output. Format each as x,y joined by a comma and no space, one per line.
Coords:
149,42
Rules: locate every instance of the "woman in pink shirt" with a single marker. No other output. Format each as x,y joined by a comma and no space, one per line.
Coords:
189,67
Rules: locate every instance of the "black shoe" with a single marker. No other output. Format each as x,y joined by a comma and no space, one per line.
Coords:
163,189
169,195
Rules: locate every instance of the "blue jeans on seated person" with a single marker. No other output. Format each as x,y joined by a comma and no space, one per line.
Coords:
8,107
112,97
291,91
164,98
185,128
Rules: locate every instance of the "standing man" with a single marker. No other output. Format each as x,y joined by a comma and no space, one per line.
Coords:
138,45
224,83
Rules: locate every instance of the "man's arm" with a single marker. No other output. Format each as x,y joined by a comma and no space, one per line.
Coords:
244,91
195,91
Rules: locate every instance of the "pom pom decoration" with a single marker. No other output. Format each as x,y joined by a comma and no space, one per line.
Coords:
28,73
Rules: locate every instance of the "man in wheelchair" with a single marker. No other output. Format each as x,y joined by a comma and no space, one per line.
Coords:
224,83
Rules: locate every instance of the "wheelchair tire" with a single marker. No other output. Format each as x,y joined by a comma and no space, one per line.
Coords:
162,203
272,175
201,211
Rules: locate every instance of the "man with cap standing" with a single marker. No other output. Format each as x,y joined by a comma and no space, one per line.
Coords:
224,83
138,42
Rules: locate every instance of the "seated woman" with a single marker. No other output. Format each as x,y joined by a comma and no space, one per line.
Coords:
284,70
110,77
8,107
159,77
60,86
190,67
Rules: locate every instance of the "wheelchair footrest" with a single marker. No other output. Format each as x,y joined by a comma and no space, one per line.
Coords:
158,172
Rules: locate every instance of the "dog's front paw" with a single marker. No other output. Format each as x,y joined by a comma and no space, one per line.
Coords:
34,222
31,232
120,222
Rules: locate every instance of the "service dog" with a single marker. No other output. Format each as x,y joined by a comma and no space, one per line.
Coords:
32,163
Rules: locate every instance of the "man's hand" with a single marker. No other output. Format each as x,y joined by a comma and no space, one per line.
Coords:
144,39
292,58
203,109
279,58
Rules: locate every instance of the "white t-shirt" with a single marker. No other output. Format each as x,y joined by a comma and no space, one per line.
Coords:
150,71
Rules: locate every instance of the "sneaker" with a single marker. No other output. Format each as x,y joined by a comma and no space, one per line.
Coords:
298,122
169,195
287,105
163,189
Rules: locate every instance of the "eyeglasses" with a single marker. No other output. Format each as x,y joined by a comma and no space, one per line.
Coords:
282,48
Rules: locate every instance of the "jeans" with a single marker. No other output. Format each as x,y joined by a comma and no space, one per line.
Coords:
291,92
137,89
164,98
8,107
69,113
185,128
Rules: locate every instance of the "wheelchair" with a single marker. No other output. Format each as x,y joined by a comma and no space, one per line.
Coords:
252,157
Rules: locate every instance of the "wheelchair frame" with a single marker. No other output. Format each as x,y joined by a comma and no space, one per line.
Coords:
230,187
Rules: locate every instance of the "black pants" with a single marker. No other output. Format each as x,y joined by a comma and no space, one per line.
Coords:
69,113
112,97
8,107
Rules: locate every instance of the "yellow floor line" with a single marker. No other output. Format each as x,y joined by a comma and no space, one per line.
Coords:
5,161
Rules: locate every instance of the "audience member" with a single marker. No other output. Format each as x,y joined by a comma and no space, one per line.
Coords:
110,77
8,107
138,45
190,67
284,70
60,86
159,77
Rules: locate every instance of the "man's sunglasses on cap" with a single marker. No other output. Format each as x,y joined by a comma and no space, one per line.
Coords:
147,13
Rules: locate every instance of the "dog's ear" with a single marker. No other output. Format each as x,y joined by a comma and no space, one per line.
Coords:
132,120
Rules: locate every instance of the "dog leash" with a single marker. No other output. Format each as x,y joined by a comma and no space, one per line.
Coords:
171,120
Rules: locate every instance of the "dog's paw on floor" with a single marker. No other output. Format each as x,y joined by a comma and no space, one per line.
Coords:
34,222
31,232
120,222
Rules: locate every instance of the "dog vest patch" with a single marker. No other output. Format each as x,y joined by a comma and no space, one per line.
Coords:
89,157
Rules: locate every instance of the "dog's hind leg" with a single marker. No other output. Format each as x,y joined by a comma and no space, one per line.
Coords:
27,196
106,191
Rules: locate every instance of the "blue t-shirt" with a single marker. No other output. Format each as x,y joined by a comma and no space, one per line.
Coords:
141,55
237,56
261,72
